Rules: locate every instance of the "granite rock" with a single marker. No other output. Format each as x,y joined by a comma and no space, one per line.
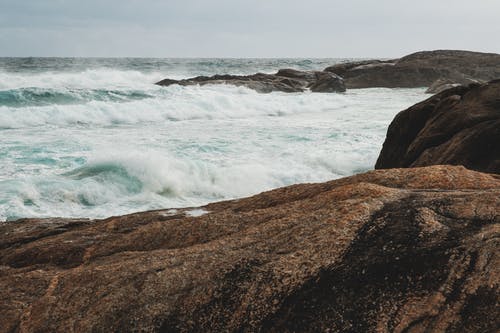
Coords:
400,250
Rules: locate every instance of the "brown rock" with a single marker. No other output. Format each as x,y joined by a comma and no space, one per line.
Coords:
441,85
285,80
460,126
420,69
296,74
343,68
402,250
326,82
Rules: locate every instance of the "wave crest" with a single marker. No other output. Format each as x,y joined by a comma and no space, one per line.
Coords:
24,97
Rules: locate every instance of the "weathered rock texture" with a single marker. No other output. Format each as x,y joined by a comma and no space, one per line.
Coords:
421,69
402,250
460,126
285,80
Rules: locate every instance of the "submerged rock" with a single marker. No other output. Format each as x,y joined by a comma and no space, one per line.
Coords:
387,251
459,126
420,69
285,80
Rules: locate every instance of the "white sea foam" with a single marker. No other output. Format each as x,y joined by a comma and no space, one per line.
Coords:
175,146
196,212
187,103
87,79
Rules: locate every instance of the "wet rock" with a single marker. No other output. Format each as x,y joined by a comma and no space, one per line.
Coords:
285,80
459,126
296,74
400,250
326,82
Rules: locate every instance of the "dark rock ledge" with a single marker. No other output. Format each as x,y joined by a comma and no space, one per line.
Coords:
400,250
285,80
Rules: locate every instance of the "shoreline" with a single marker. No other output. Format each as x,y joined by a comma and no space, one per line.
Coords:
363,244
412,245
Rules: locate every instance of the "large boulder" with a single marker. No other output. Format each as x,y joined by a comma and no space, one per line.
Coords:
420,69
401,250
285,80
459,126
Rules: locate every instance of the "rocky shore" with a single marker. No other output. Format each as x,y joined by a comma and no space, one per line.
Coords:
386,251
410,248
439,70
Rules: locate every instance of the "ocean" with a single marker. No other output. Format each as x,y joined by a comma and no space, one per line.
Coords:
91,137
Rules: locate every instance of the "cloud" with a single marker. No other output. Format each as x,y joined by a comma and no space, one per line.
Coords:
242,28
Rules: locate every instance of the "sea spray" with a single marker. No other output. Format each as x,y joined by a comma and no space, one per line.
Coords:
98,139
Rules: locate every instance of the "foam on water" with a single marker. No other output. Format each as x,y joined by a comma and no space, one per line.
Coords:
96,142
196,212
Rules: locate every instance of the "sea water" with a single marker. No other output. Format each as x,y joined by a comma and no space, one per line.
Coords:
96,138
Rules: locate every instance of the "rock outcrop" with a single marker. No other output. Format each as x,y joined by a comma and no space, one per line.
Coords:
401,250
459,126
285,80
421,69
441,85
438,70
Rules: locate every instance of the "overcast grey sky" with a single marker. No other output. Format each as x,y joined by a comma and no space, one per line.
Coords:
243,28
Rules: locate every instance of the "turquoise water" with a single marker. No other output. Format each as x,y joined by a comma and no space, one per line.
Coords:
96,137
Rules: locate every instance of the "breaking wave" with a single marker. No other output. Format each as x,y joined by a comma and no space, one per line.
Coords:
24,97
91,141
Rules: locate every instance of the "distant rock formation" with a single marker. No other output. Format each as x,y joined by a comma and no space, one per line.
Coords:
459,126
285,80
401,250
438,70
420,69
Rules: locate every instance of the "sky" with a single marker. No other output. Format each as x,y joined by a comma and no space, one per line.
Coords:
244,28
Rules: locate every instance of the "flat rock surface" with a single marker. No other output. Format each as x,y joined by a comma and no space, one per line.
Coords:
400,250
420,69
459,126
